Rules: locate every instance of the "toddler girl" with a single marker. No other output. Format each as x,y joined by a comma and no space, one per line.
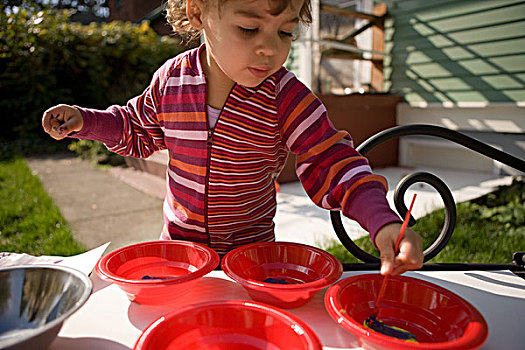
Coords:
228,113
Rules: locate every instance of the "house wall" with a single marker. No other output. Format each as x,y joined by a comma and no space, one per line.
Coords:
126,10
458,64
136,10
456,51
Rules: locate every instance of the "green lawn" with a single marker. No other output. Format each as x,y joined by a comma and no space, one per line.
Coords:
29,220
488,230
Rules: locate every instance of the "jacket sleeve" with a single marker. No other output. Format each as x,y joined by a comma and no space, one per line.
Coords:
132,129
334,175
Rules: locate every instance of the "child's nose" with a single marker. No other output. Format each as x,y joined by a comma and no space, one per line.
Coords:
267,46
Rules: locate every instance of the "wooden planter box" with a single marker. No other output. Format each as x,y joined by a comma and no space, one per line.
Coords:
362,115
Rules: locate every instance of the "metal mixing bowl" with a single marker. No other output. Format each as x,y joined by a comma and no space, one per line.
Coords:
35,300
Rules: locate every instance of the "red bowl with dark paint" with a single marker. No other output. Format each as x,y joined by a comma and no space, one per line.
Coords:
228,325
157,272
439,318
283,274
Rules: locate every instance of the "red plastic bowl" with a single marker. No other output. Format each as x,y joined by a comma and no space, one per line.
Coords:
228,325
157,272
303,268
437,317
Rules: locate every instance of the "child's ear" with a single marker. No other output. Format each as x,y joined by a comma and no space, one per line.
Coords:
194,10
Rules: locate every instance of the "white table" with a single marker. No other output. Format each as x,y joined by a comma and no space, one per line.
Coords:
109,321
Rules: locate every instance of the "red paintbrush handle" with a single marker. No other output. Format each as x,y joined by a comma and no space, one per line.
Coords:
404,225
396,251
381,294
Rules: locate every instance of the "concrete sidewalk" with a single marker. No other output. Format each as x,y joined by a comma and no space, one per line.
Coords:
98,205
124,205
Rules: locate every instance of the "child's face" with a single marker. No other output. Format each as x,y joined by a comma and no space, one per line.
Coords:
245,42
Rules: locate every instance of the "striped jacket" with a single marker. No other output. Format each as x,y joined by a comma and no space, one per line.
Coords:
221,183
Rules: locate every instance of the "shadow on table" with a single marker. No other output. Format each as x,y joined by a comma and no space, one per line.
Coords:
501,305
329,332
98,285
210,288
86,343
495,281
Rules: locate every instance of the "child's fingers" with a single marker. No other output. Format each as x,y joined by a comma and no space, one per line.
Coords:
410,256
61,120
385,242
401,267
55,124
48,121
68,127
53,116
51,125
387,260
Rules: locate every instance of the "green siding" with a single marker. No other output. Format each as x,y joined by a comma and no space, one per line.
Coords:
456,50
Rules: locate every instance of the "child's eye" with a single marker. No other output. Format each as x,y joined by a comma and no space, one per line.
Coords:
248,31
294,34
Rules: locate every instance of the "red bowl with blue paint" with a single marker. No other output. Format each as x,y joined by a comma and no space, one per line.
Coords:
228,325
283,274
437,317
157,272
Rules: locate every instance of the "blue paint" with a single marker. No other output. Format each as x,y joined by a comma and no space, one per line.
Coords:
275,280
395,332
153,278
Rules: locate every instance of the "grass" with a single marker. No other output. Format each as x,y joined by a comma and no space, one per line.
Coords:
29,220
488,230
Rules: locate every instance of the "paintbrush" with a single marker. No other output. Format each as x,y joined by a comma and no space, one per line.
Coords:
373,322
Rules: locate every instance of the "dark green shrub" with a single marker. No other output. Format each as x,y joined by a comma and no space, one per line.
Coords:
96,152
46,60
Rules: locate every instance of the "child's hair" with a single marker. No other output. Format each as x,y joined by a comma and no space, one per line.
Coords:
176,15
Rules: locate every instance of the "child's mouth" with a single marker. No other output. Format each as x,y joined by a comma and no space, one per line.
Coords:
259,72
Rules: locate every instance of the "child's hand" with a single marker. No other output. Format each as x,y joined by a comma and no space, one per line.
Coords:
59,121
410,256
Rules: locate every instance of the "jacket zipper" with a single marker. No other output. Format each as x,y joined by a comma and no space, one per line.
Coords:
209,143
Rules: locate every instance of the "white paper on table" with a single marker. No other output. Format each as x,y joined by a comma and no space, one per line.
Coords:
84,262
